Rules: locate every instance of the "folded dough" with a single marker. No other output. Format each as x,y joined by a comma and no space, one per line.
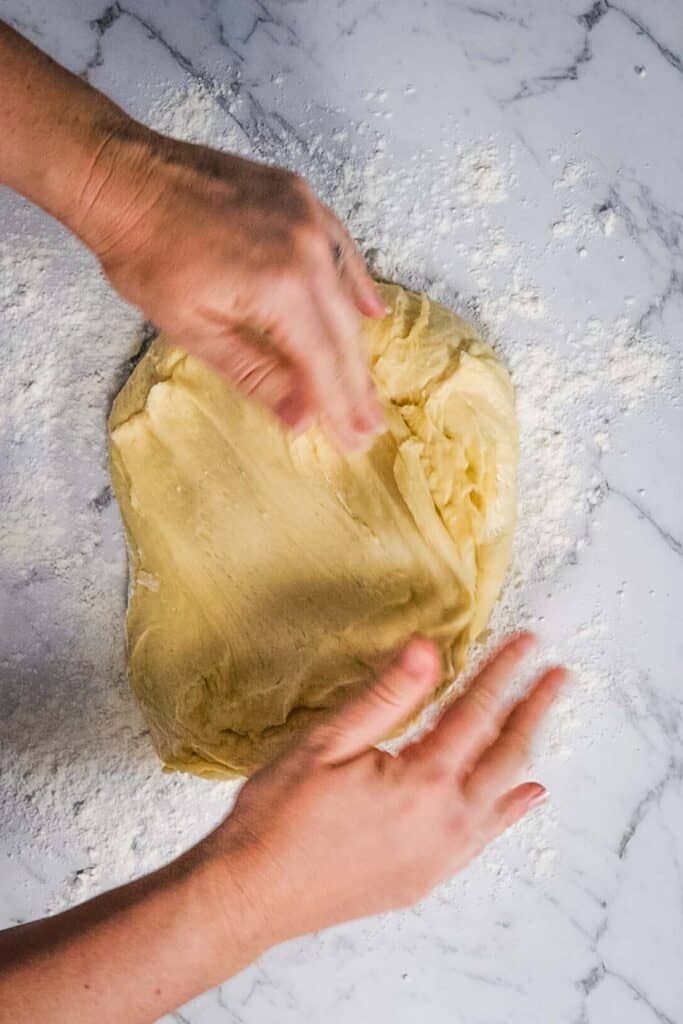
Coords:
268,573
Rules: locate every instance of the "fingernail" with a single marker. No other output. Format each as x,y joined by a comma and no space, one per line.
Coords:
538,797
563,675
302,424
372,424
527,641
290,411
419,658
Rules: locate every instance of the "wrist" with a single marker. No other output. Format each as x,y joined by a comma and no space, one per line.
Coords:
227,887
58,155
113,177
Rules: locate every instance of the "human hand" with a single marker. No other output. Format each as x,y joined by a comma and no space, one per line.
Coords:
238,263
336,829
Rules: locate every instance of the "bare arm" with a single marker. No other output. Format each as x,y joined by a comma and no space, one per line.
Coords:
331,831
129,955
236,261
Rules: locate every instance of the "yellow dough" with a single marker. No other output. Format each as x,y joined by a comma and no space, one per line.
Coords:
268,572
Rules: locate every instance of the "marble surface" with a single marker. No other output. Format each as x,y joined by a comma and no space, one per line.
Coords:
578,919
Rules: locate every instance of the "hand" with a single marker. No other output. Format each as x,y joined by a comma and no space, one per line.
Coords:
336,829
239,263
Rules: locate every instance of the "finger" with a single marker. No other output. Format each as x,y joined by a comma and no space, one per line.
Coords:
303,333
245,359
365,292
336,307
511,808
400,689
500,765
473,721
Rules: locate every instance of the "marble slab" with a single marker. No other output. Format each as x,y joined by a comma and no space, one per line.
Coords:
572,110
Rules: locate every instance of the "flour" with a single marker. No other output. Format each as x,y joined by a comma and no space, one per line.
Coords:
84,779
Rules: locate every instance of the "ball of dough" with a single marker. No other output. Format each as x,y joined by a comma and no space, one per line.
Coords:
268,573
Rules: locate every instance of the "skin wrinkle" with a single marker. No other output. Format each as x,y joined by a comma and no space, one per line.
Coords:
84,203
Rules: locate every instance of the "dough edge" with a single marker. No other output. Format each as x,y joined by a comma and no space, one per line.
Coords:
158,364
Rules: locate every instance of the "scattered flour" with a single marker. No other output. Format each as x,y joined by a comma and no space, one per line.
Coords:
83,777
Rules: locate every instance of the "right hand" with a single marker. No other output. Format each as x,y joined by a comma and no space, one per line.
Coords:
238,263
336,829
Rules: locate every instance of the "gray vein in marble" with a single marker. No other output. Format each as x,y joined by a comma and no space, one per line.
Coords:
672,542
542,84
662,1017
233,1016
494,981
102,499
117,10
597,975
655,308
496,15
666,711
674,773
549,81
265,19
180,1017
665,223
669,56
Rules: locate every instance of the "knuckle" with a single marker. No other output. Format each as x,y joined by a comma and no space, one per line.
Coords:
299,184
321,739
483,700
515,741
485,710
459,816
436,775
306,236
287,283
389,693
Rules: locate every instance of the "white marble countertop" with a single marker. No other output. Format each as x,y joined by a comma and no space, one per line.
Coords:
547,133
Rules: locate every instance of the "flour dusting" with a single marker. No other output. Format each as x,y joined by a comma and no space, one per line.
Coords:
80,775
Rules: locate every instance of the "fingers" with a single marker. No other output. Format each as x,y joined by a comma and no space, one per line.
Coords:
500,765
301,331
364,408
314,320
310,332
243,357
352,265
364,290
339,288
474,720
400,689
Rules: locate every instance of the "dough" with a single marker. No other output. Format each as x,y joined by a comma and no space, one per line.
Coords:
269,573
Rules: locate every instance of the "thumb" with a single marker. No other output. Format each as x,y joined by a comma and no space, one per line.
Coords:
400,689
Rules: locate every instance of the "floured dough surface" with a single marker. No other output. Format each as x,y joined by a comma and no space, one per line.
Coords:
268,573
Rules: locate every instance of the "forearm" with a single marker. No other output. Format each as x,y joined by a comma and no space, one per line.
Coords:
54,129
130,955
